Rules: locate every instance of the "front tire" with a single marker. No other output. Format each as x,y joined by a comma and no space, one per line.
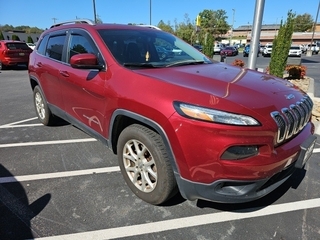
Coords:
145,164
43,112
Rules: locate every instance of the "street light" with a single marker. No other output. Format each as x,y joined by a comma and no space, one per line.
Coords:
309,51
94,11
150,11
231,34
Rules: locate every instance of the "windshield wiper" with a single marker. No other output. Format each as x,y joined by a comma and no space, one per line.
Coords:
188,62
142,65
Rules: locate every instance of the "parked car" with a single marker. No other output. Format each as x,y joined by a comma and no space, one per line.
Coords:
229,51
217,48
303,48
295,51
13,53
246,51
164,53
198,47
267,50
186,123
314,48
177,51
31,45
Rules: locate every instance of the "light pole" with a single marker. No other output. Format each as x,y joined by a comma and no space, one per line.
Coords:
150,11
234,11
309,51
94,11
231,34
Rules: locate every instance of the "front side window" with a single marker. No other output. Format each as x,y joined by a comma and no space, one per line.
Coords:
55,47
79,44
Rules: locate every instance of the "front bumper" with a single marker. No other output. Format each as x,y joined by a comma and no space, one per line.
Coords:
239,191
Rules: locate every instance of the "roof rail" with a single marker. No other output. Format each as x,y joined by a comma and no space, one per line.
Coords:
78,20
149,26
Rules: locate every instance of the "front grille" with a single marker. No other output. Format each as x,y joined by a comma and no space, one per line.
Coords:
292,120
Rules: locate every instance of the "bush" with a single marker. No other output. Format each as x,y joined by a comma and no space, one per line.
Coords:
296,71
15,38
238,62
30,40
281,45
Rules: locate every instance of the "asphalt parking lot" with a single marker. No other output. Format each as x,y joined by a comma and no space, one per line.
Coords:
58,183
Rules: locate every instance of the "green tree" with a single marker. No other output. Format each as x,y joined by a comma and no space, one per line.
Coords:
185,30
165,27
281,45
1,36
27,29
30,40
303,23
208,44
214,22
15,38
98,19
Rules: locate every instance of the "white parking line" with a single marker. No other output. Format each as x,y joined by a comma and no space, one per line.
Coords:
58,174
14,123
7,145
22,125
178,223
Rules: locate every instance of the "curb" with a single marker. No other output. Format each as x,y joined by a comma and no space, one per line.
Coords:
310,92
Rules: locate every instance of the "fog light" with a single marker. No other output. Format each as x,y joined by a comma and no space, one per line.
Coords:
239,152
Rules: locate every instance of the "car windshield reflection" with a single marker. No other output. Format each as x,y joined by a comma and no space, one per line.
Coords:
140,48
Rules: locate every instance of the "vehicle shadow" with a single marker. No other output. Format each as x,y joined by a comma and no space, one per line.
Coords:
15,211
15,68
292,182
304,60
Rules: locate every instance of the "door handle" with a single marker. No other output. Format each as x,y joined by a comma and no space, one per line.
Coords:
39,64
64,73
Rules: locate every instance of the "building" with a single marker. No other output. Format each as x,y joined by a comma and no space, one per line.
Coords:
269,31
23,36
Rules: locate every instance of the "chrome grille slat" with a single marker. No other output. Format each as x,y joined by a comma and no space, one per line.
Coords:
292,120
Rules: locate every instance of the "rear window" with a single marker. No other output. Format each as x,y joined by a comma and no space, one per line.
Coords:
17,46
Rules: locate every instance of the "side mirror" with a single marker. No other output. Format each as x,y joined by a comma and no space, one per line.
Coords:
85,61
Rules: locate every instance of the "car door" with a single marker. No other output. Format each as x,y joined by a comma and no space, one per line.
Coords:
84,89
49,58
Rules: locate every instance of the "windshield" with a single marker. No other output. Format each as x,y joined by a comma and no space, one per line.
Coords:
150,48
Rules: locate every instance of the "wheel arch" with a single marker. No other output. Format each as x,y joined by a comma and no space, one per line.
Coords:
34,82
122,118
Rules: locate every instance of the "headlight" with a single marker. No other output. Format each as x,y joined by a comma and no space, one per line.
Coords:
211,115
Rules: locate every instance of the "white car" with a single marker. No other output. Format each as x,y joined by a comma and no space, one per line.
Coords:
218,47
31,45
314,48
267,50
295,51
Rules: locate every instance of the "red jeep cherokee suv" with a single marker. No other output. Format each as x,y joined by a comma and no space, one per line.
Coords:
177,122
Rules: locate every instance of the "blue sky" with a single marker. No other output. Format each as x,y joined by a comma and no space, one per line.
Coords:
40,13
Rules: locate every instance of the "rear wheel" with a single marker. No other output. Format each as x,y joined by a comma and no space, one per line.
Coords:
145,165
43,112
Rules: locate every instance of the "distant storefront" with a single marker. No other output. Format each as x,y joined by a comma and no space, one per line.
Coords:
22,35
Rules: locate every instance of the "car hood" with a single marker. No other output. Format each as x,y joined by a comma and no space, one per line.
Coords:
248,88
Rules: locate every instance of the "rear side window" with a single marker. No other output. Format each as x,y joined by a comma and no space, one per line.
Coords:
55,47
17,46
